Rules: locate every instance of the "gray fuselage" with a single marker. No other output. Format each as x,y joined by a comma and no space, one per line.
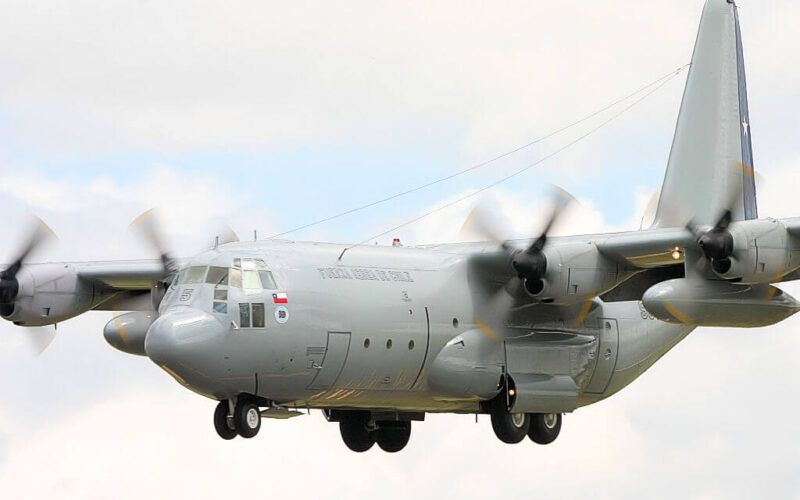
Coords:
364,330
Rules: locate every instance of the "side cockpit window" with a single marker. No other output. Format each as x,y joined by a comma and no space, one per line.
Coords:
194,274
217,276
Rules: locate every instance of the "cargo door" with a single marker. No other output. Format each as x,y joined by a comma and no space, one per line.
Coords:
605,357
333,360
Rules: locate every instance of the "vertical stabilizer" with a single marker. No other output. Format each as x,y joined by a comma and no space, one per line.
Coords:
711,163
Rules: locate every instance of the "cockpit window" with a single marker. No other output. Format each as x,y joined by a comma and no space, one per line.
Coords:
236,278
251,280
194,274
253,275
217,276
267,281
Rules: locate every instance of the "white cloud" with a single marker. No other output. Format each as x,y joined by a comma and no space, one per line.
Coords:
716,418
91,217
266,74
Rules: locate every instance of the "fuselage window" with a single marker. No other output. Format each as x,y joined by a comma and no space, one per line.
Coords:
195,274
221,307
217,275
220,294
258,315
244,315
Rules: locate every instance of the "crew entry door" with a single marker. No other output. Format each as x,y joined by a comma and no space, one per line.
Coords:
333,360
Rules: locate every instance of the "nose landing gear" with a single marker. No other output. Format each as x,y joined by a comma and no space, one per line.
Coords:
243,418
222,422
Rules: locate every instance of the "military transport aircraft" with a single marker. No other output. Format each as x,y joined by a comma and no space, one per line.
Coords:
525,331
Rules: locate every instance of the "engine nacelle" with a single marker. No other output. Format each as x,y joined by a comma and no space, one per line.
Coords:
718,303
127,332
469,366
48,294
575,273
762,253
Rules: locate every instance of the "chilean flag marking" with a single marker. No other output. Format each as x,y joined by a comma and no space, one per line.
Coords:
280,298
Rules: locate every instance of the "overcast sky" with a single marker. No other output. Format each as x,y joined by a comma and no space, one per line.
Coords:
269,115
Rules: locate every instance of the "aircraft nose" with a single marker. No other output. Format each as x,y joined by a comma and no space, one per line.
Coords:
179,335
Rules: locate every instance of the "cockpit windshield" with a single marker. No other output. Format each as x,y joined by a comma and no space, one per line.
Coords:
191,275
249,274
252,275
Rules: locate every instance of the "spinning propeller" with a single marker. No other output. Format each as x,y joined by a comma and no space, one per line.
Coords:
529,264
40,337
148,227
716,243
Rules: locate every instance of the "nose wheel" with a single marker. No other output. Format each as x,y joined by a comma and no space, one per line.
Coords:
245,420
224,423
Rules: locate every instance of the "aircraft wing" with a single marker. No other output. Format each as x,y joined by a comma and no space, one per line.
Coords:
123,275
645,249
132,281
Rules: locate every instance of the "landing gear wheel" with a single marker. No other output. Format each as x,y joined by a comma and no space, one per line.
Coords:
247,418
355,433
394,436
510,428
221,423
544,427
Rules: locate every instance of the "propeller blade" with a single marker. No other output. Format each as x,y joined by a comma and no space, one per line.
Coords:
560,200
148,227
226,235
40,337
9,286
41,232
483,224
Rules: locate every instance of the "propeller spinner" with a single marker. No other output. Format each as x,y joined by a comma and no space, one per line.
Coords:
9,285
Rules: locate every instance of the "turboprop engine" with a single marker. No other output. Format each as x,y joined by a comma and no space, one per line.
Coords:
749,252
567,274
45,294
570,272
718,303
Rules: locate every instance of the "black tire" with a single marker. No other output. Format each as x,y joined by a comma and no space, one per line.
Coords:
394,436
247,418
221,421
545,427
355,433
510,428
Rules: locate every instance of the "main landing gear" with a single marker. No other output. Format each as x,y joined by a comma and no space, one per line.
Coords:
360,431
511,428
242,419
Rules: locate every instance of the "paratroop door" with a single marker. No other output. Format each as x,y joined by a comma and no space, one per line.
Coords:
606,356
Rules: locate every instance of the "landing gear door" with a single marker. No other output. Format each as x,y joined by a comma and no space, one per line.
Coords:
605,357
333,361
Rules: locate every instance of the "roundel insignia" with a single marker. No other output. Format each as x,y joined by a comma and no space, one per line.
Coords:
281,314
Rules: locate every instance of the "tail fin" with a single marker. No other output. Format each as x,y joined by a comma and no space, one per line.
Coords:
712,155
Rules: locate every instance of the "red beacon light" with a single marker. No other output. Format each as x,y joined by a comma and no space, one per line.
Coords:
396,242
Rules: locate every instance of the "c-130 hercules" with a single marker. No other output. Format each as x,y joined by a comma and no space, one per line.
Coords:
525,331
